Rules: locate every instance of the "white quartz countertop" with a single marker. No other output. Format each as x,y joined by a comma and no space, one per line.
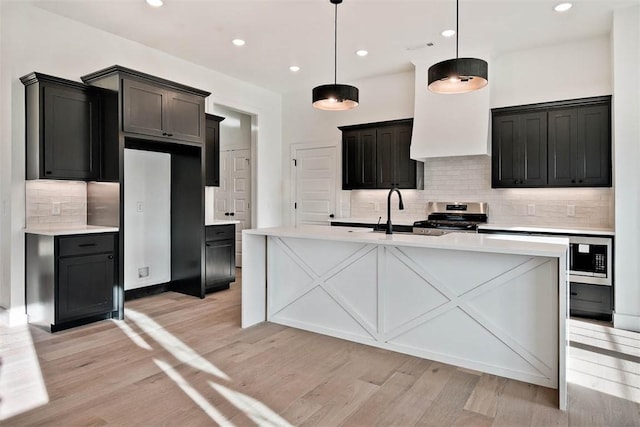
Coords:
547,229
394,221
66,231
222,222
495,243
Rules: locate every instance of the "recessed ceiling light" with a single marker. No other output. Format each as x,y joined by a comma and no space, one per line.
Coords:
448,33
238,42
294,68
562,7
362,52
155,3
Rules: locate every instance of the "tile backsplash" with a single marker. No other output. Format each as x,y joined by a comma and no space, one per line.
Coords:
42,197
468,178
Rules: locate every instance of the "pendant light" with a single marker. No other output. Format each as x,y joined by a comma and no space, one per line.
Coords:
458,75
335,97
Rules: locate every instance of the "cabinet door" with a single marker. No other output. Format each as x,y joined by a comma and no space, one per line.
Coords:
220,262
533,148
563,144
519,148
144,108
386,156
359,159
85,286
71,136
405,167
593,166
185,117
212,153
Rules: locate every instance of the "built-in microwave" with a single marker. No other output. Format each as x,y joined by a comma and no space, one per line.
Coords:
590,260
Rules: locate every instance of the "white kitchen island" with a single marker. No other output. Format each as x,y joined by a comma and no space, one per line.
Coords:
492,303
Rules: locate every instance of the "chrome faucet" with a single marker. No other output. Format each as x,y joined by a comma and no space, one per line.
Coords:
400,206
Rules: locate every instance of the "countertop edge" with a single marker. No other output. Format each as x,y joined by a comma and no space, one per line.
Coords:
94,229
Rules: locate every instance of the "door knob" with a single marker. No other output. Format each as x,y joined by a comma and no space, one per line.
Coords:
332,216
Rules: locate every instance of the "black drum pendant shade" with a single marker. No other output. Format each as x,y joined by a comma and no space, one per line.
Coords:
335,97
458,75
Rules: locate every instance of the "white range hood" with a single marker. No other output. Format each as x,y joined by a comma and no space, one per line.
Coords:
448,125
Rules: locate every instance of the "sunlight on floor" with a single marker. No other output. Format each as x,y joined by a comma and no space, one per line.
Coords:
257,411
177,348
604,359
22,387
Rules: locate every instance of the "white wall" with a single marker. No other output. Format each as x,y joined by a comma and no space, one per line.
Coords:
626,125
235,129
382,98
32,39
147,217
564,71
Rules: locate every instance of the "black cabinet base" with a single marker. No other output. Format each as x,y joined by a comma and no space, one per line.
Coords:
146,291
85,320
216,288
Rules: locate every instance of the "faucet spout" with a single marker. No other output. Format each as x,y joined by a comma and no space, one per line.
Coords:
400,206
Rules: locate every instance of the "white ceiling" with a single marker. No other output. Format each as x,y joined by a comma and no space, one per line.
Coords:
280,33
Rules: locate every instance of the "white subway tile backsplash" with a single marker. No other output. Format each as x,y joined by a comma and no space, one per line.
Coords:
41,194
468,178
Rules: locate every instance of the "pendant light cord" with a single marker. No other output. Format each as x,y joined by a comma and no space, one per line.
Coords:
457,8
335,46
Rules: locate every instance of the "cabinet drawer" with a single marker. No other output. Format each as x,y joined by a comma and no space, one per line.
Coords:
220,232
590,298
86,244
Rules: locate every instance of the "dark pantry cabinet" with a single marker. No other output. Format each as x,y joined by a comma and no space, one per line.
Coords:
554,144
70,280
212,150
377,156
220,256
63,129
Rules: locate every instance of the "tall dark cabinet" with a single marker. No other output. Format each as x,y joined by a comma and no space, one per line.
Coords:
377,156
212,150
553,144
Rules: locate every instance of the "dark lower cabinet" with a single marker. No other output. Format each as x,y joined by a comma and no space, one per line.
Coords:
220,256
70,280
587,300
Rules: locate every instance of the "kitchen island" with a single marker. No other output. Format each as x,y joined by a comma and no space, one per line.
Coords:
492,303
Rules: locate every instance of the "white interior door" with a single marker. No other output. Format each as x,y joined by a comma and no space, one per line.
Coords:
232,198
315,185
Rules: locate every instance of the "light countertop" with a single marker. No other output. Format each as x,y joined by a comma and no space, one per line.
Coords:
495,243
551,230
70,230
222,222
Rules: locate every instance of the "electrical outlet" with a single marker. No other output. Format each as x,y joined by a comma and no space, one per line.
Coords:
531,209
140,207
143,272
55,208
571,210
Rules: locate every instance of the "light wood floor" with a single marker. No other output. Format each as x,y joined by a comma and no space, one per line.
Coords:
180,361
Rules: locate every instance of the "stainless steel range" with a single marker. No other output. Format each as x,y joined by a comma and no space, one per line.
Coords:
447,217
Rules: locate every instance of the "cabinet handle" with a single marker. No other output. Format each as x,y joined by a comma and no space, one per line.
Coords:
574,294
169,134
164,134
332,216
48,172
580,181
232,214
573,181
110,257
86,245
226,214
207,244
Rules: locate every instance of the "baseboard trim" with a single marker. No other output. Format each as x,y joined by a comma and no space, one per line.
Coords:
13,317
627,322
145,291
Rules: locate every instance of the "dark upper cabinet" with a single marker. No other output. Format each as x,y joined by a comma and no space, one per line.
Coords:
376,156
580,146
63,132
359,159
212,150
554,144
519,150
153,110
153,106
